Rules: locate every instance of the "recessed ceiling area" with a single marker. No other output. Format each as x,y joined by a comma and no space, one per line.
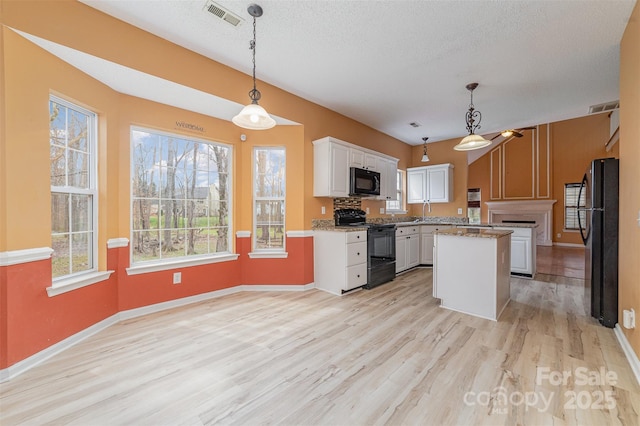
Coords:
390,63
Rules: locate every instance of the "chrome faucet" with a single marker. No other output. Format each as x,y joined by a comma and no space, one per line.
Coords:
424,204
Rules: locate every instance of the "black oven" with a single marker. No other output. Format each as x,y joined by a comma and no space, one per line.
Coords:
364,182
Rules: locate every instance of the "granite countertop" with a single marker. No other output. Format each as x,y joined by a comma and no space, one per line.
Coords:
479,232
329,224
502,225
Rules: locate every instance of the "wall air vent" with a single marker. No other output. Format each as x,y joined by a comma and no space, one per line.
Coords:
607,106
220,12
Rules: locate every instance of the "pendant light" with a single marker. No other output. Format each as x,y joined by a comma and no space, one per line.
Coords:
472,141
425,157
253,116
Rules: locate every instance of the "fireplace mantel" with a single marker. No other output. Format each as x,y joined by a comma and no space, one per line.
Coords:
540,211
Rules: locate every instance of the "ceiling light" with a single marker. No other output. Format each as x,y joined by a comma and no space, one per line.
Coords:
506,133
425,157
472,141
253,116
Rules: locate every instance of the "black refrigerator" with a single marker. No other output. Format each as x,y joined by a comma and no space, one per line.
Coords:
598,222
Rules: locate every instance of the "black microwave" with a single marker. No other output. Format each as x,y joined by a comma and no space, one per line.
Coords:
364,182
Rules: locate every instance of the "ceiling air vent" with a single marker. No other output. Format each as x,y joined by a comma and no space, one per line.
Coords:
607,106
222,13
415,124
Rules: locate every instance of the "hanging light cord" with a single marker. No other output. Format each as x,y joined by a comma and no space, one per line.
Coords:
254,94
472,115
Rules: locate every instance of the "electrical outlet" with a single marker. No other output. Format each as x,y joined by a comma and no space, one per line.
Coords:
367,210
381,210
177,277
323,210
459,211
558,235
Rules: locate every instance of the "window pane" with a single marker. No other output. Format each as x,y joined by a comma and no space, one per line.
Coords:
72,147
177,185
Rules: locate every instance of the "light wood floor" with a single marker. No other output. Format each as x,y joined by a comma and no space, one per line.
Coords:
384,356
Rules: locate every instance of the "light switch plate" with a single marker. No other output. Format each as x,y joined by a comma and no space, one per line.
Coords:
459,211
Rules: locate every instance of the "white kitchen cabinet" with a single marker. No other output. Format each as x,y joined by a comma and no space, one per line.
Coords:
330,169
407,247
363,160
426,242
430,183
523,250
332,159
340,260
388,170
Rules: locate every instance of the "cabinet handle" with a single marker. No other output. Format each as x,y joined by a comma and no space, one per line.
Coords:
358,276
358,253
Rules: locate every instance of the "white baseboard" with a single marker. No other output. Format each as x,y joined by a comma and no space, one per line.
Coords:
569,245
634,362
35,359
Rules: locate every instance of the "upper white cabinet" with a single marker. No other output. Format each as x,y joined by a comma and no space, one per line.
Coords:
388,170
430,183
332,159
330,169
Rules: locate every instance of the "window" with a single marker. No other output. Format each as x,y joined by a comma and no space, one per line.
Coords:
398,205
180,195
571,204
72,142
268,198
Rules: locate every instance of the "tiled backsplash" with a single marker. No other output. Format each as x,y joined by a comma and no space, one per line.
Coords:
347,203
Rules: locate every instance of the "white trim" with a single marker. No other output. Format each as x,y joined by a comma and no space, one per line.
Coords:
15,257
299,234
182,263
176,303
569,245
268,255
634,362
39,357
243,234
117,242
72,283
268,287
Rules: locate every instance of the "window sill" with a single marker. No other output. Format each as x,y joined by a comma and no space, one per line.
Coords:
268,255
69,284
182,263
392,212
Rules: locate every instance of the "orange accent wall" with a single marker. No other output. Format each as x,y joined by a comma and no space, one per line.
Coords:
521,166
629,146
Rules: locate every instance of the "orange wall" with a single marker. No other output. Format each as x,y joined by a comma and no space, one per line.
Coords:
573,144
629,243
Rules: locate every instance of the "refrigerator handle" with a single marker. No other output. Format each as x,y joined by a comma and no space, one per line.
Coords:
584,236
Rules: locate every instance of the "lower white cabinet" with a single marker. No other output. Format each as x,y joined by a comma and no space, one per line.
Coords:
340,260
407,247
426,242
523,250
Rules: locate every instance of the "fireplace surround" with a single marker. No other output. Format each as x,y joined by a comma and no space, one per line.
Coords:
540,211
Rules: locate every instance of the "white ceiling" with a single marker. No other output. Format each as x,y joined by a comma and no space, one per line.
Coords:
389,63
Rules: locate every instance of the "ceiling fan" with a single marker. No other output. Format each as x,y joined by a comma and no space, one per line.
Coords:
513,132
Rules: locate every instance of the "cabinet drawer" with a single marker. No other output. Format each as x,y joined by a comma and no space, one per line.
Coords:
356,276
430,229
356,253
356,237
407,230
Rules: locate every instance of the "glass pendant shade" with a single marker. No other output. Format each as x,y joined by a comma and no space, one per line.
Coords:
254,117
472,142
425,158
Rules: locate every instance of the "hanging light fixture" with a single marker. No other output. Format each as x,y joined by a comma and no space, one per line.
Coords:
253,116
472,141
425,157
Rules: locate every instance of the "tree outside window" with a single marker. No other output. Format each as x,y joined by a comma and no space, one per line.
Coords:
180,196
269,198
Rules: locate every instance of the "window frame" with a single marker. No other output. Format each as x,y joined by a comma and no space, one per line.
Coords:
400,194
270,251
145,266
580,203
87,276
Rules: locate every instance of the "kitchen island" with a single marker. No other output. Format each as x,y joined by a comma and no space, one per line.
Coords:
472,270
